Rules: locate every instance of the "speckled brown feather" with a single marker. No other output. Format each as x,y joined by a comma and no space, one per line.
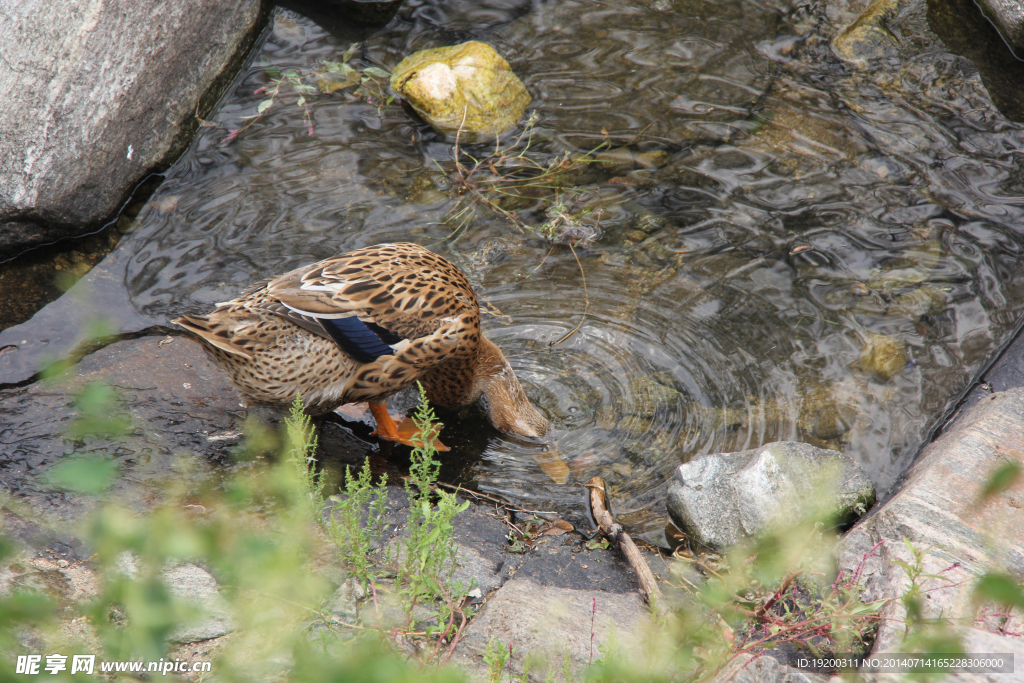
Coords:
272,344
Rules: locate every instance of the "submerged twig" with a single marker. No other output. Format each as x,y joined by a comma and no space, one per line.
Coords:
586,301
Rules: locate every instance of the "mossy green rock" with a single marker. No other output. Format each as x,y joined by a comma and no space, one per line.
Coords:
469,87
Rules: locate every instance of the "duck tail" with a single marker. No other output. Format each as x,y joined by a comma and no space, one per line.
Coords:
211,333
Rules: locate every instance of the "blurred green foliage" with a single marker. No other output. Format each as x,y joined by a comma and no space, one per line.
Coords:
280,555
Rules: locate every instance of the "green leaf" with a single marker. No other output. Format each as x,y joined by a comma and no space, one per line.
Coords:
1001,589
264,105
867,607
291,73
349,52
83,475
302,100
376,72
25,607
7,548
1002,479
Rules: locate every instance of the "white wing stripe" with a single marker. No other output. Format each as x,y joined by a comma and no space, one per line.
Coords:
329,316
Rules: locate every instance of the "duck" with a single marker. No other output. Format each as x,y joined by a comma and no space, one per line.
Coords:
360,327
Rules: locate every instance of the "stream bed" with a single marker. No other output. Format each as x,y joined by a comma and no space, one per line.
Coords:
771,242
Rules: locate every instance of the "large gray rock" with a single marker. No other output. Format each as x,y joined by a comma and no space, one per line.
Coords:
548,624
97,94
940,512
719,499
1008,18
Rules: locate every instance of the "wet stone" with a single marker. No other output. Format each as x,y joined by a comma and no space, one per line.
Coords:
721,498
564,562
168,390
466,89
940,510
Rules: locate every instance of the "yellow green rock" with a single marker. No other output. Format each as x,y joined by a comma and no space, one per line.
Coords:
469,87
884,357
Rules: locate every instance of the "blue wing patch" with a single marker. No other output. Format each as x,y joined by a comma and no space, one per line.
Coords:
365,342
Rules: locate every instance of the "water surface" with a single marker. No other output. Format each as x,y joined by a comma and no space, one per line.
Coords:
767,213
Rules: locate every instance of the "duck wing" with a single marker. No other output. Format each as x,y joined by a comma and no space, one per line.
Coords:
373,300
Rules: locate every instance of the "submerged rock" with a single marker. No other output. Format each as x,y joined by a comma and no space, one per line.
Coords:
884,357
469,87
919,303
869,37
721,498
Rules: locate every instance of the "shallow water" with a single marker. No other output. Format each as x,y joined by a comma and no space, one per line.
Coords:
776,209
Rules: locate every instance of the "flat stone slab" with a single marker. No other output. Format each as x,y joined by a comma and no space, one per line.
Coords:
168,389
939,510
721,498
544,624
97,94
564,562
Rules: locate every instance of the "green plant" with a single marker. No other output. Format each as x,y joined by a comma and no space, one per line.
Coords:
497,656
427,557
357,521
256,530
300,451
329,77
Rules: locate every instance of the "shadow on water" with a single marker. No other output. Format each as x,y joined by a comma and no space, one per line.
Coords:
784,246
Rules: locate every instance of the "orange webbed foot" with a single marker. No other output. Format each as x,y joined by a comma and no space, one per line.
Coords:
405,432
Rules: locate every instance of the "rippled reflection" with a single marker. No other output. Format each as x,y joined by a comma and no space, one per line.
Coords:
790,210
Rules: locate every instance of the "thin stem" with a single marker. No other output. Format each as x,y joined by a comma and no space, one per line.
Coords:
586,301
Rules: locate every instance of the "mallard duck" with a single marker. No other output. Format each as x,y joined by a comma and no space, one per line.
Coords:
361,327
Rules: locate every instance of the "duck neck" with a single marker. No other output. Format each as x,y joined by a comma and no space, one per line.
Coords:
456,382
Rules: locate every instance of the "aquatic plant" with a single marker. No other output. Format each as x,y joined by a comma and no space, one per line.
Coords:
328,77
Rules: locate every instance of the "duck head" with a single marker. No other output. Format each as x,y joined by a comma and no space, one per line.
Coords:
507,405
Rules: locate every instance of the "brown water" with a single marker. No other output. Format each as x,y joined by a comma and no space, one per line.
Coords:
783,208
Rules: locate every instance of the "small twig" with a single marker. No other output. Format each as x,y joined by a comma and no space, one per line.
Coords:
542,261
778,594
637,136
613,530
586,301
